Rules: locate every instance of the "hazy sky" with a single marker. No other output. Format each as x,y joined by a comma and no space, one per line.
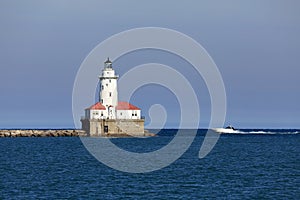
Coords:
255,44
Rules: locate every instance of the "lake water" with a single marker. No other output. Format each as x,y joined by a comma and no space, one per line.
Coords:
259,164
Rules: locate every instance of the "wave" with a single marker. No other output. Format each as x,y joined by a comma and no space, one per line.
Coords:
264,132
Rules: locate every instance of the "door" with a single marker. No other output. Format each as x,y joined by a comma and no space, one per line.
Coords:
105,129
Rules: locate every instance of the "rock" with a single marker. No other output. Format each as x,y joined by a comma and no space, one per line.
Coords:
67,133
150,134
53,134
15,133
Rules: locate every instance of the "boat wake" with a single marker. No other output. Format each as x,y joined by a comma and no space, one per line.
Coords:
286,132
257,132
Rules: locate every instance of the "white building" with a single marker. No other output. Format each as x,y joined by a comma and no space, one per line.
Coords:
107,115
127,111
124,110
96,111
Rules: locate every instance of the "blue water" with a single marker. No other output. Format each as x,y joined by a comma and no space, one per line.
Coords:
264,165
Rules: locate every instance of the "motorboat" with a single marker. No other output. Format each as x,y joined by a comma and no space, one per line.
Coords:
228,129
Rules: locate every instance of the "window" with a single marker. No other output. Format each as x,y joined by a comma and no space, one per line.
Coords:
106,84
101,100
110,94
109,80
135,114
101,113
132,114
102,87
121,114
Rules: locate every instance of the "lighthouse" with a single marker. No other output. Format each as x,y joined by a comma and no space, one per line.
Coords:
109,89
109,116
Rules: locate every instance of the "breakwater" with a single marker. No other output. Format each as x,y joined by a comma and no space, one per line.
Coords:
42,133
61,133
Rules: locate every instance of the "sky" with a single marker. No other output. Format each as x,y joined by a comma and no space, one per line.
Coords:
255,45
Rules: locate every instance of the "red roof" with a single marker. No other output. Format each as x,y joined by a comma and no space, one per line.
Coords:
97,106
122,105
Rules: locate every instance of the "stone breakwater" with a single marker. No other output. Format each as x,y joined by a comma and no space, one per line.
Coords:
61,133
43,133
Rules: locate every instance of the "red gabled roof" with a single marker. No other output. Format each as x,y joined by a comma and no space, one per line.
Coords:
97,106
122,105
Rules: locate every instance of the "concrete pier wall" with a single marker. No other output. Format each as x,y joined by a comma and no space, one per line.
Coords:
113,127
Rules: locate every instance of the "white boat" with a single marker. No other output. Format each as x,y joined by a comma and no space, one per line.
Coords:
228,129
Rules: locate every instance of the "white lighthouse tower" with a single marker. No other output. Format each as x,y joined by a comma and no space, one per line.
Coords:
109,89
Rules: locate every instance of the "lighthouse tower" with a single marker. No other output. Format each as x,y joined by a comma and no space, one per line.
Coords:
109,89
